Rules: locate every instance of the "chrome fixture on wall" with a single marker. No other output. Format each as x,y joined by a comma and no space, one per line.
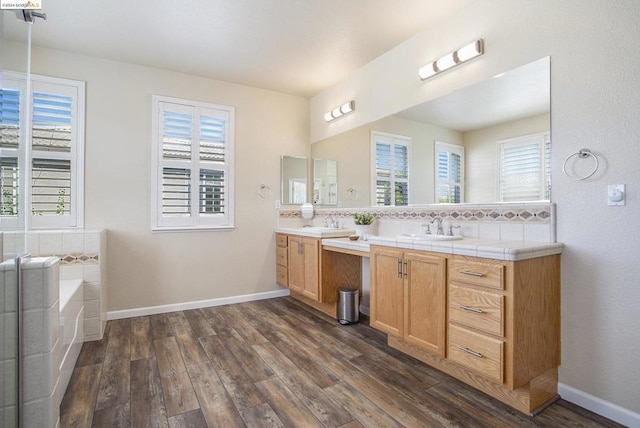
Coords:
450,60
340,111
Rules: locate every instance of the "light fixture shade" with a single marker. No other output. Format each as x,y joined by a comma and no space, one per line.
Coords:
445,62
347,107
452,59
472,50
335,113
427,71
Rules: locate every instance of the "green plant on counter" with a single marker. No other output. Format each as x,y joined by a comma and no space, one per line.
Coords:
363,218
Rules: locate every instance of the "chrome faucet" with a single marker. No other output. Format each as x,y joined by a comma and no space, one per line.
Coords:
428,226
440,230
330,222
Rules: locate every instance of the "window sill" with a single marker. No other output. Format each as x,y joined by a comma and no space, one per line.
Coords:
171,229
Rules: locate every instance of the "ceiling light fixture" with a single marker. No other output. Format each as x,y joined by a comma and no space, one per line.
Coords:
464,54
340,111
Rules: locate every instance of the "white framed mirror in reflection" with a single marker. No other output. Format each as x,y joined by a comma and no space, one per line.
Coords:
501,125
325,182
294,174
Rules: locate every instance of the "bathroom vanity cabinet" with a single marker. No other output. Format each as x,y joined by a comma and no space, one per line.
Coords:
313,273
500,320
303,265
409,297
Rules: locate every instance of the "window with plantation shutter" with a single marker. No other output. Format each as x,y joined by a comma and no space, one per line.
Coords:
390,178
192,165
449,169
524,168
48,155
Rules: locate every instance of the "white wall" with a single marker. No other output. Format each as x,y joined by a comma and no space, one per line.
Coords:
594,104
150,269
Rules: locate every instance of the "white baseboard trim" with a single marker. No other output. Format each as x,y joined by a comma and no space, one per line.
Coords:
597,405
153,310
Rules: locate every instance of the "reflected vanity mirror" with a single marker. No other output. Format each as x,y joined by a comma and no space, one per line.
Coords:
293,180
325,182
488,123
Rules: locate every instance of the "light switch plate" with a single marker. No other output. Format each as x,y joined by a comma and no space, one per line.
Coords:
616,195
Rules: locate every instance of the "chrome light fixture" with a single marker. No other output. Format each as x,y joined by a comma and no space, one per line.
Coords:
464,54
340,111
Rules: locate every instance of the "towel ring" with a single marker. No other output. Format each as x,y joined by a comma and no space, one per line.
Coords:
264,191
582,154
352,193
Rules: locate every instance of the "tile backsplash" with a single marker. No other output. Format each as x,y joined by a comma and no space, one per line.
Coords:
531,221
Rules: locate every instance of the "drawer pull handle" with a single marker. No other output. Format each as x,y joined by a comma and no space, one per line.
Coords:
468,272
469,351
470,309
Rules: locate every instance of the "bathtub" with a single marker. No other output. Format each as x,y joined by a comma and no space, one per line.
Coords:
71,328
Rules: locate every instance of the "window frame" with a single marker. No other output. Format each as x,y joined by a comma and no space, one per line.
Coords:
395,140
543,140
449,148
194,221
25,153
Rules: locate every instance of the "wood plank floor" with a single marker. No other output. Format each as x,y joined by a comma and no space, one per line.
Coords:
273,363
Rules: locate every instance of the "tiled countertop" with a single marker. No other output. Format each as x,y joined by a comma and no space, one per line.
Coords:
315,232
487,248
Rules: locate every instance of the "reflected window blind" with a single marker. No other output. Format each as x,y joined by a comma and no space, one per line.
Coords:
391,182
449,173
524,169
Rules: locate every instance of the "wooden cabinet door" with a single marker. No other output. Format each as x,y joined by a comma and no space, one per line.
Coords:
296,264
310,256
425,301
387,291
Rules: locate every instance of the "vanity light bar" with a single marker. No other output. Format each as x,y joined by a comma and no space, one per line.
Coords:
452,59
340,111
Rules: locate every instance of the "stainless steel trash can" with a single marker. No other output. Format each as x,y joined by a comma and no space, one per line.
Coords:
348,305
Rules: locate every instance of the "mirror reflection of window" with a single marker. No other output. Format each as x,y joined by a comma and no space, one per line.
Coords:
449,169
524,168
298,191
392,159
293,180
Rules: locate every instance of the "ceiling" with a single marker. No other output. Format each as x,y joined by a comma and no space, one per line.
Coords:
294,46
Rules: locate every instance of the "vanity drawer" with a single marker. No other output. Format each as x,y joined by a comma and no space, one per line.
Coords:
282,275
281,240
477,309
476,351
281,256
486,275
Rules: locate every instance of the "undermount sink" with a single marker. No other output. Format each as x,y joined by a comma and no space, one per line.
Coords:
424,237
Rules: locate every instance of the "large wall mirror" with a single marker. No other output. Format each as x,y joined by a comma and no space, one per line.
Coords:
293,180
501,124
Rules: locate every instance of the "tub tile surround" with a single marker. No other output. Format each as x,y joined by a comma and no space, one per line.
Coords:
529,221
41,344
82,255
